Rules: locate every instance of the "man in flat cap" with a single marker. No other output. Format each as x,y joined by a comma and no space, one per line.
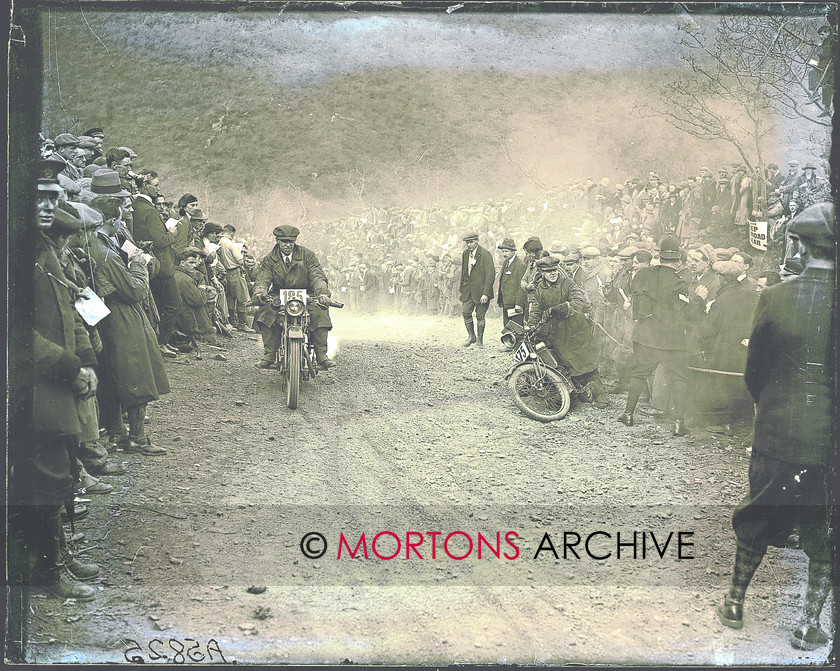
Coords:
477,275
556,308
510,275
790,374
290,266
98,136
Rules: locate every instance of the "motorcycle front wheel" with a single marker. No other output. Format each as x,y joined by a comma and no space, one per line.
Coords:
541,393
293,364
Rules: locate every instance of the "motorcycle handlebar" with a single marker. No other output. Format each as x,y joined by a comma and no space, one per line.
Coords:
261,299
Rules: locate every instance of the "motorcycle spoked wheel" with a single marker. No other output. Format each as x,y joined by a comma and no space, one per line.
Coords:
541,393
293,365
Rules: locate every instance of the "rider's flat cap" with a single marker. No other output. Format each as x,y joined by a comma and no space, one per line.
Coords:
286,233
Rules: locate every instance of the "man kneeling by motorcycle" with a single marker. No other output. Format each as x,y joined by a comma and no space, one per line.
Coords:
290,266
567,330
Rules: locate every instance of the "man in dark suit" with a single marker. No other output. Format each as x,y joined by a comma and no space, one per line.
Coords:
790,375
660,303
477,275
510,276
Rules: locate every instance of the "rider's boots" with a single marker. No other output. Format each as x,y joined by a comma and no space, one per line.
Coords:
319,344
271,342
269,358
599,396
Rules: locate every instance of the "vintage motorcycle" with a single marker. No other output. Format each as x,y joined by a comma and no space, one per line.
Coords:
542,388
296,354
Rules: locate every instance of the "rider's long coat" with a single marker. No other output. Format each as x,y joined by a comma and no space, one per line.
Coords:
305,272
571,337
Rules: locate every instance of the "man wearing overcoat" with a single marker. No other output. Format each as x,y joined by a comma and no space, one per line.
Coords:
290,266
61,373
790,373
477,275
561,304
660,302
149,226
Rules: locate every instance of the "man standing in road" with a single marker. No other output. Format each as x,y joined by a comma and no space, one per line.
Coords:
660,303
290,266
477,275
510,275
790,374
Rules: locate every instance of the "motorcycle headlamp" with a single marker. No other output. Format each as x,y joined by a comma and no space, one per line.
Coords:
294,308
508,339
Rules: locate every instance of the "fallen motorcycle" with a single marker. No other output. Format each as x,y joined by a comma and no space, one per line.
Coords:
296,353
542,388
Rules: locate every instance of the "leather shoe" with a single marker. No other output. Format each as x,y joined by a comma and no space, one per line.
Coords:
143,446
108,468
79,511
327,363
469,341
806,637
245,329
626,419
731,613
168,353
81,570
97,487
68,588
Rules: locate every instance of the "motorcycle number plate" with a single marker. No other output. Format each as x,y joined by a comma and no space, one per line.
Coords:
289,294
295,332
522,353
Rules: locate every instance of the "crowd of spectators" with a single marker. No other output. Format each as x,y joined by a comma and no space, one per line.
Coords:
407,259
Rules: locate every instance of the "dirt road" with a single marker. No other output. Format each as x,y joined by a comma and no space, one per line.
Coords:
412,433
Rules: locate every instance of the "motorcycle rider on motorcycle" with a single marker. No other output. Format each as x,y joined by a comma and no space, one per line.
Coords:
566,330
290,266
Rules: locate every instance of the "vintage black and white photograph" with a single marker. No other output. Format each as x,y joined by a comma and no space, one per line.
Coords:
421,333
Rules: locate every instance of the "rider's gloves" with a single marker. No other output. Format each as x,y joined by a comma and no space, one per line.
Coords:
561,311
